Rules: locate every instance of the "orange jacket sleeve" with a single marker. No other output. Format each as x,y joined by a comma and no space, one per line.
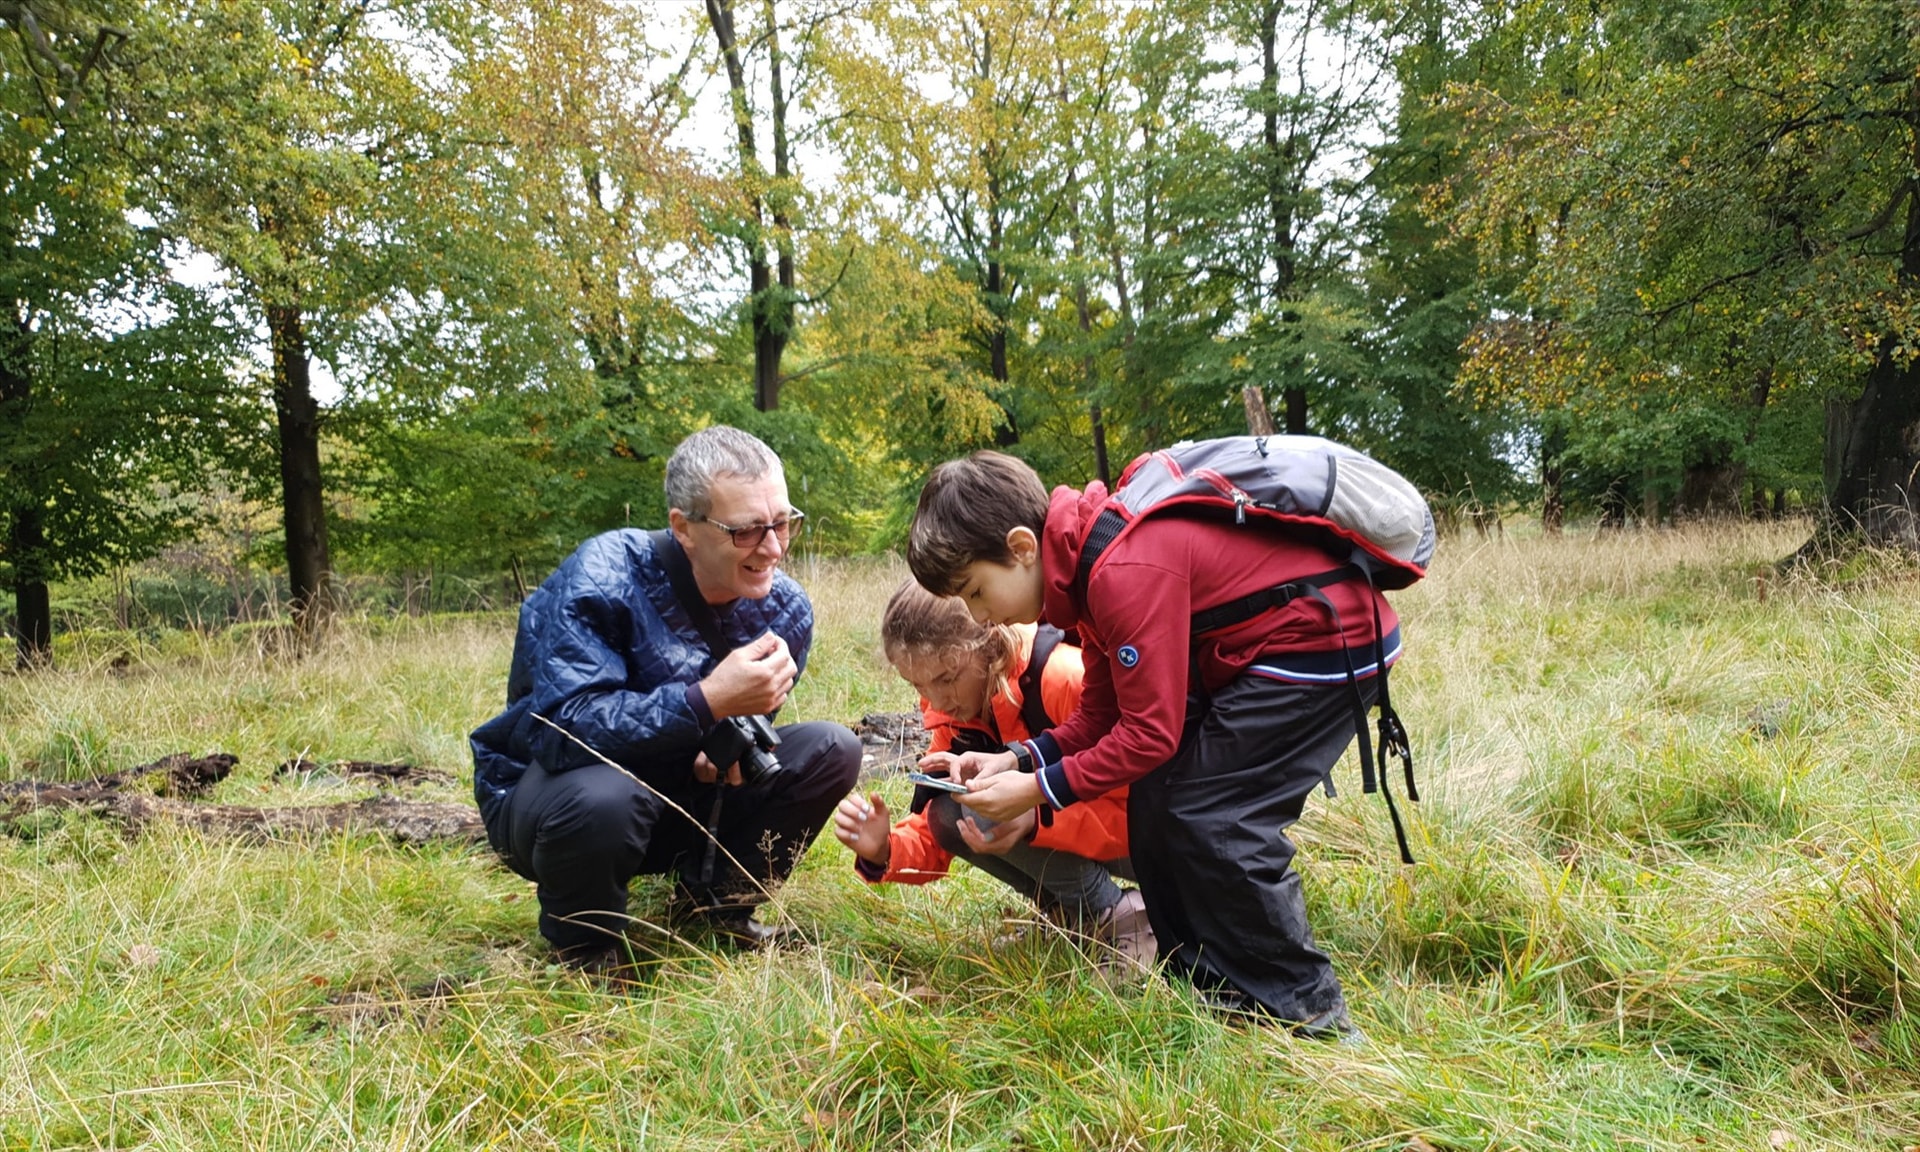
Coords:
913,857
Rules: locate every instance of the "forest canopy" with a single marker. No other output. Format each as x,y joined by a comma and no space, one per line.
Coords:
437,284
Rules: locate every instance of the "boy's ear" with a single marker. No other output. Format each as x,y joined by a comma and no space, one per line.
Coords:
1023,545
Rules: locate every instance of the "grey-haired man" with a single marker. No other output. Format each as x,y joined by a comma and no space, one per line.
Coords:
624,652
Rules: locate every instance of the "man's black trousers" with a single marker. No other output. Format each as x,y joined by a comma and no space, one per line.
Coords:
1209,845
582,834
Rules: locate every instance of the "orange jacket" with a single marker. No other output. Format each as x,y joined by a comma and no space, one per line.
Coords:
1095,829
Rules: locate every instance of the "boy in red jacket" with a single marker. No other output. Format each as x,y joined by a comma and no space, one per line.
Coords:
1221,736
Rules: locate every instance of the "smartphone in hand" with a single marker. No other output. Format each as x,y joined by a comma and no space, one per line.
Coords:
938,783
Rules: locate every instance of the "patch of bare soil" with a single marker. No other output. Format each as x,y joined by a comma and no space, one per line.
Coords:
894,742
359,1007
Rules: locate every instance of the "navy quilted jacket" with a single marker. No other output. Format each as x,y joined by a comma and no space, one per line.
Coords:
606,651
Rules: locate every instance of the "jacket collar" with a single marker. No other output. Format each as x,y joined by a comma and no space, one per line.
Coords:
1069,515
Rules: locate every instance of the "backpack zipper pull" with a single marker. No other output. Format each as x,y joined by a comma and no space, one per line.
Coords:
1239,506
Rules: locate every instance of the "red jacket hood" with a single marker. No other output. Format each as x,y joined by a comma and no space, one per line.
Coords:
1069,515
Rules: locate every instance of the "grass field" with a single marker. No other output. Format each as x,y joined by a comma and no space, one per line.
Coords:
1668,897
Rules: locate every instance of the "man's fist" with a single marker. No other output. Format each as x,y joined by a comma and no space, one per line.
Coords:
751,681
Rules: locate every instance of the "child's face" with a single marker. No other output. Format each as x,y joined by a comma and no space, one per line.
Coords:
951,682
1003,593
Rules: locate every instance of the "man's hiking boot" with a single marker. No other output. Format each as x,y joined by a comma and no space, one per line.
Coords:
729,921
613,964
1125,937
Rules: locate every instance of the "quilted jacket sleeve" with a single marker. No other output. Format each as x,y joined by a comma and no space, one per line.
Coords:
583,683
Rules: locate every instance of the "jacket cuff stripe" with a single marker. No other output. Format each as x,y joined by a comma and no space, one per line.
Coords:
1054,786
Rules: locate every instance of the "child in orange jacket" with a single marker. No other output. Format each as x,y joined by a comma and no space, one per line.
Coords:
972,680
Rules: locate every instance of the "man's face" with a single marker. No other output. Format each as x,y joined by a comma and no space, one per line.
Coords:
1003,593
724,572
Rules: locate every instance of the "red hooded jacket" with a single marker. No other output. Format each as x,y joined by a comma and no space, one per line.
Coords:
1135,624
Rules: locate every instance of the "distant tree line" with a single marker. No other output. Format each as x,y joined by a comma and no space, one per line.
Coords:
442,281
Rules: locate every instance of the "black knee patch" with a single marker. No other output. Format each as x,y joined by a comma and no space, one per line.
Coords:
943,820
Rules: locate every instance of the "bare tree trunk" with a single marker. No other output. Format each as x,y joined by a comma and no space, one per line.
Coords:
769,309
304,515
1873,442
26,542
1259,418
1553,508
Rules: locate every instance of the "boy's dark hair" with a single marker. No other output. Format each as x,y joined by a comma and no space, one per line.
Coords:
965,512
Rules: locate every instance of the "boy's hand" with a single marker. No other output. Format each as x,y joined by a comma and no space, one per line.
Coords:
862,824
978,765
751,681
1004,797
996,840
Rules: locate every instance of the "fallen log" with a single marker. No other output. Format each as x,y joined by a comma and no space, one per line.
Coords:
406,821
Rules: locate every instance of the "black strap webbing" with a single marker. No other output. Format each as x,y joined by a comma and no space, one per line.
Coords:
1279,596
687,590
1033,706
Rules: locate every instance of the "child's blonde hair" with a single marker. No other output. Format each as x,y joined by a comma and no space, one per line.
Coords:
918,623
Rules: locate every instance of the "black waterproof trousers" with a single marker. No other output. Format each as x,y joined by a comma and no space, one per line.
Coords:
583,834
1208,832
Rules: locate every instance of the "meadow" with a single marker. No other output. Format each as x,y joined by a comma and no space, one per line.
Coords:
1668,897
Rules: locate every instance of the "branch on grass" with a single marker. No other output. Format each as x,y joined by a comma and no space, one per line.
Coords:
180,775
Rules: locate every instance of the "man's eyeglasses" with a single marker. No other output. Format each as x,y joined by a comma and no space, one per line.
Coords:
749,536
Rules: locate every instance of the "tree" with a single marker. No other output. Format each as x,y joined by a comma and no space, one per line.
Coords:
291,142
954,110
1732,214
112,390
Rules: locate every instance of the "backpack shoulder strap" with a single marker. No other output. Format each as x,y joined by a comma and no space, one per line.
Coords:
687,590
1033,708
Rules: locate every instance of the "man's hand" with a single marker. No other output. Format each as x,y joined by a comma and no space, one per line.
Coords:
996,840
706,773
751,681
1003,797
974,765
863,825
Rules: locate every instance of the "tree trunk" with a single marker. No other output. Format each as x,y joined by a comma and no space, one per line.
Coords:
769,309
26,542
1553,508
1259,419
1281,196
1873,442
304,512
32,604
1873,457
1296,411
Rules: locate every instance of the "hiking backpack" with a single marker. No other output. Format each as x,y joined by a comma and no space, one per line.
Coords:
1354,505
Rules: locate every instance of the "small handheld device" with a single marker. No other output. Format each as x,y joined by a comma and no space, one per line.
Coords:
937,783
